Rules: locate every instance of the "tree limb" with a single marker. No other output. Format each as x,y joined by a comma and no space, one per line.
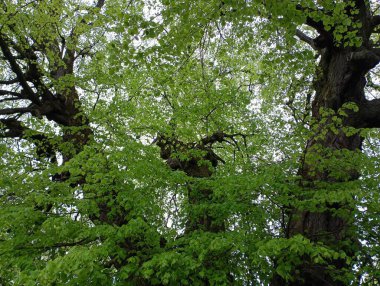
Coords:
9,99
18,110
8,92
70,55
368,115
12,128
367,58
305,38
17,70
220,136
375,21
100,4
17,57
58,244
11,81
318,25
15,128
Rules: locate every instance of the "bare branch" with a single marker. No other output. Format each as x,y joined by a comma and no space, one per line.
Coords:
8,92
305,38
17,57
11,81
17,70
9,99
18,110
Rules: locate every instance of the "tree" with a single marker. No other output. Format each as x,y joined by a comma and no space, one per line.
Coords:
189,142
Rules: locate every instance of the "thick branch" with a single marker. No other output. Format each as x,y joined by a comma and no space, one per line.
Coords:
16,57
366,58
318,25
11,81
14,127
221,137
215,137
368,115
33,74
375,21
100,4
8,92
18,110
376,51
9,99
305,38
17,70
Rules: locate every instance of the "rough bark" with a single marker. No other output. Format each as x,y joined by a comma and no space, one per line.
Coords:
197,160
41,98
339,79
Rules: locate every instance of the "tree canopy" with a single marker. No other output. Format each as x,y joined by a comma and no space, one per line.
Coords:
218,142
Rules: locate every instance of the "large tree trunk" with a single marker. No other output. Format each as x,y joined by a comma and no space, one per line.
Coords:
57,101
340,79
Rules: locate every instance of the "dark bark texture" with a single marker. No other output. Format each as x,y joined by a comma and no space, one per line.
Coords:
340,78
43,92
197,160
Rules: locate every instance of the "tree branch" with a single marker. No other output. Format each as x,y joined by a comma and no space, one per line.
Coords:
367,58
305,38
220,136
15,128
368,115
100,4
33,74
8,92
58,244
16,57
12,128
318,25
17,70
11,81
376,51
9,99
18,110
375,21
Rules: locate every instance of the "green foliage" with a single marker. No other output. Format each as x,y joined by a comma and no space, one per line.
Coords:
187,70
